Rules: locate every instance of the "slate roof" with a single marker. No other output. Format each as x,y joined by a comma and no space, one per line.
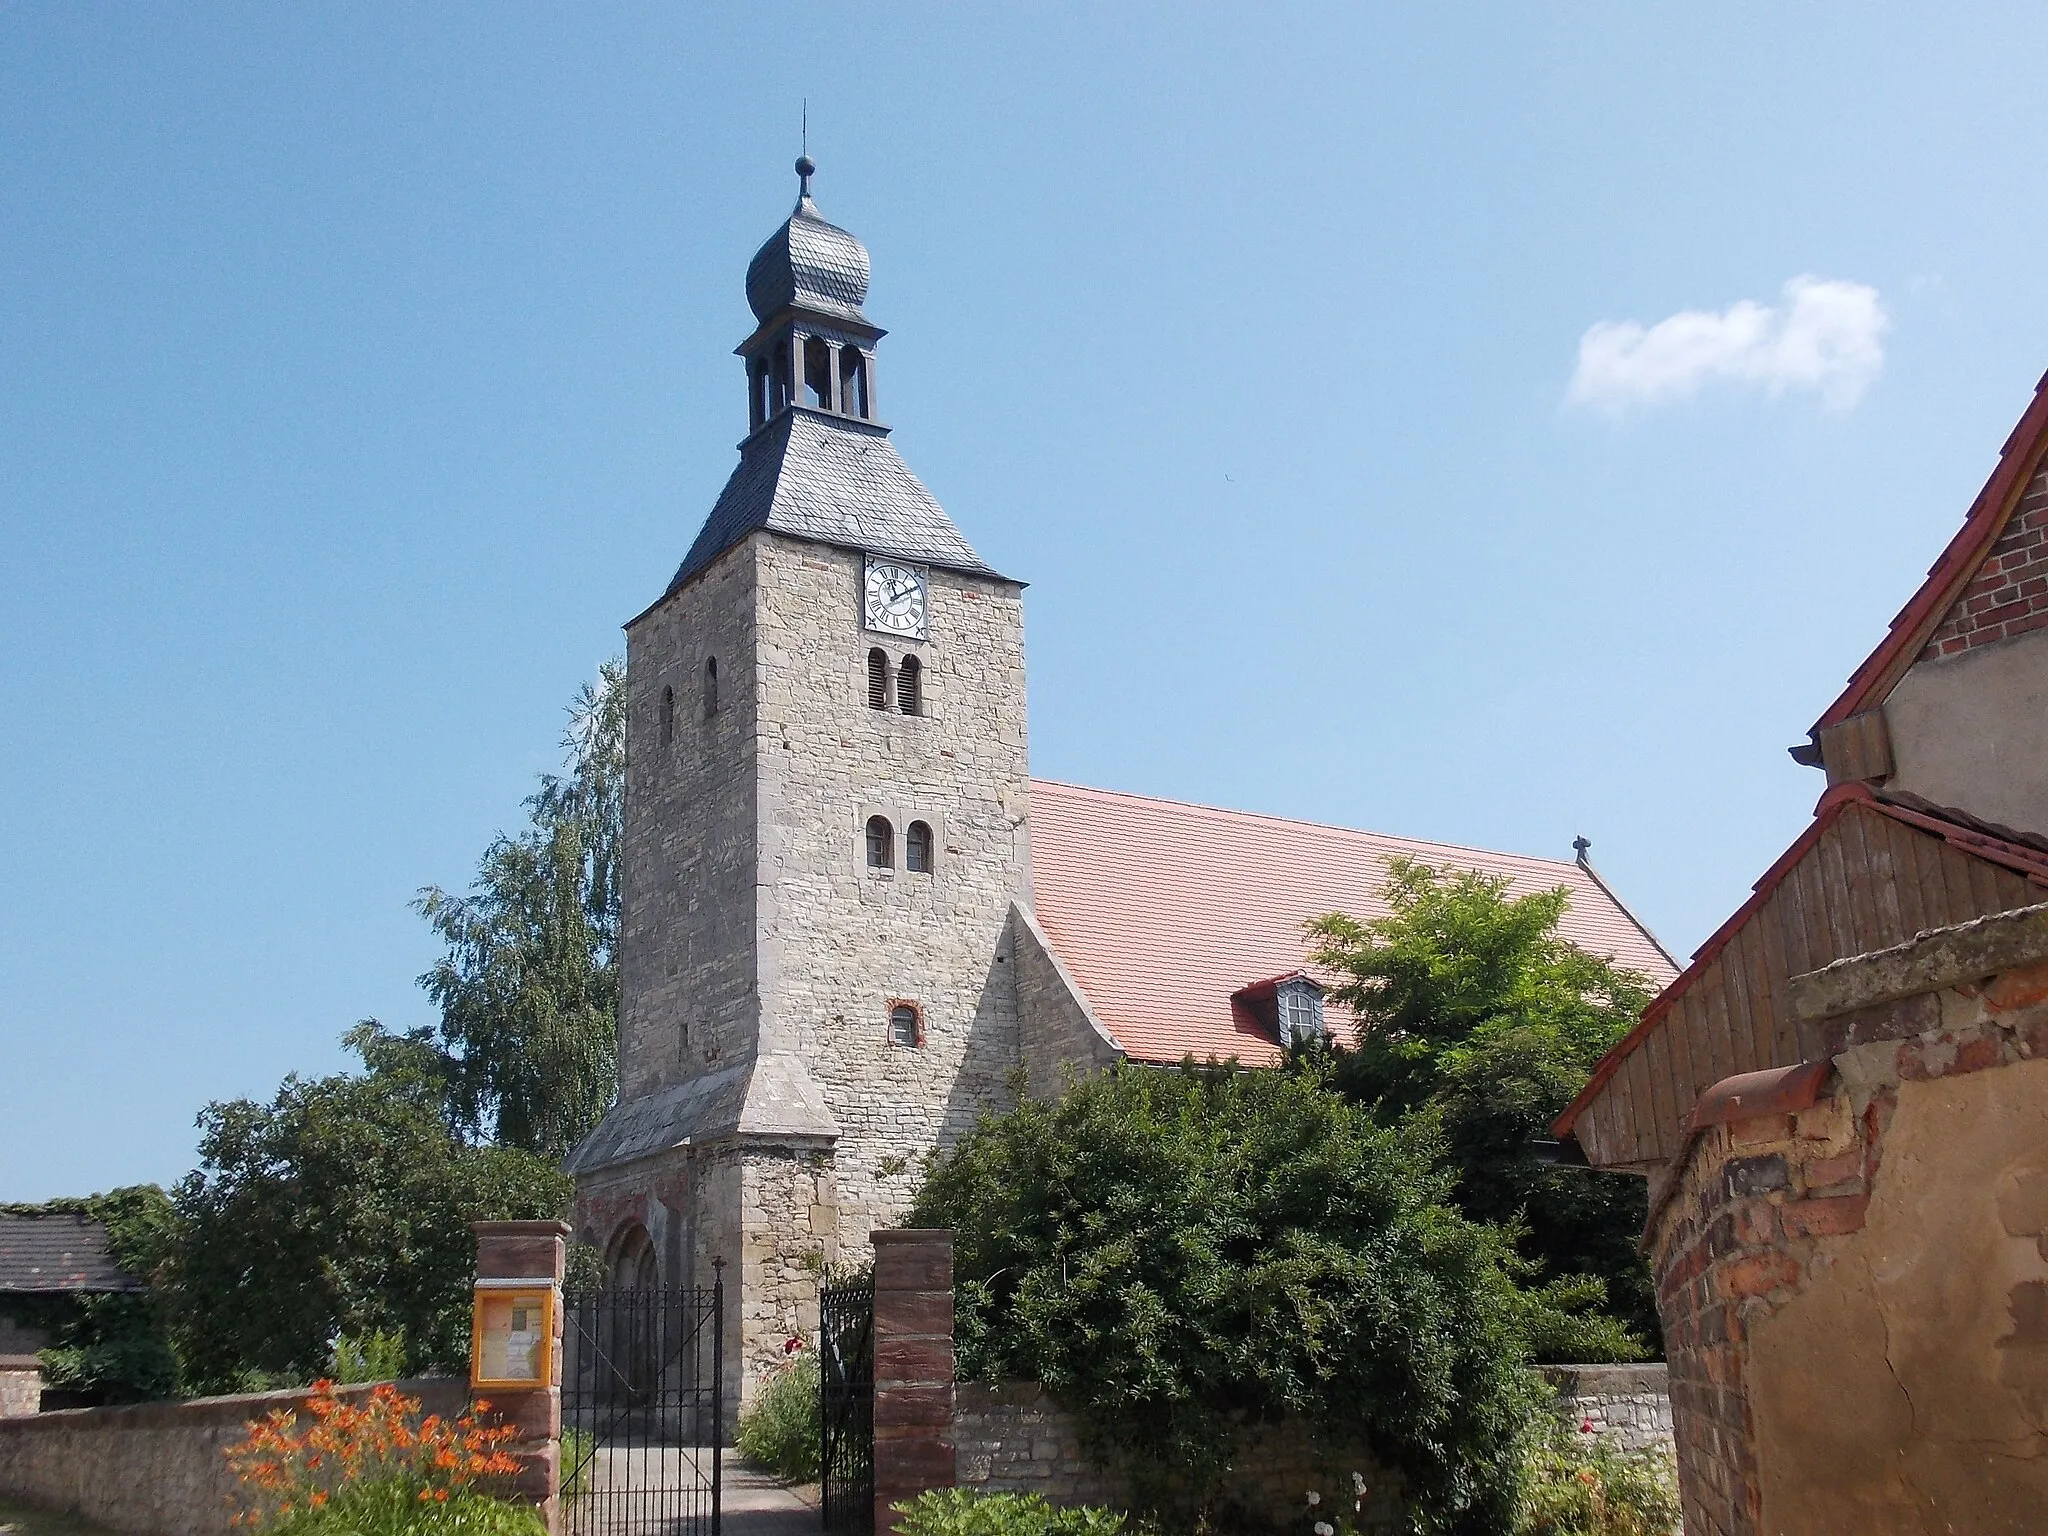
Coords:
1163,910
57,1253
835,480
811,264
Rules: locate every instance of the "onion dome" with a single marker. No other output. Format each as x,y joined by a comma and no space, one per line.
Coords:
808,263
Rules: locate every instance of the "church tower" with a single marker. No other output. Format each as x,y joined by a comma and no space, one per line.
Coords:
825,831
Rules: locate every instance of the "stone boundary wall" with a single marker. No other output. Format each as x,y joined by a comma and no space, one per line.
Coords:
21,1386
157,1469
1629,1403
1012,1437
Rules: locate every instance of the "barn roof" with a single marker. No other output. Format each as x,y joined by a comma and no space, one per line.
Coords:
1836,891
1950,575
1163,911
62,1252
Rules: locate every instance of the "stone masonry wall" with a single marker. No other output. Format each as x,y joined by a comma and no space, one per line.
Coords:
1631,1404
840,943
1055,1029
1852,1293
155,1469
687,993
21,1388
1012,1436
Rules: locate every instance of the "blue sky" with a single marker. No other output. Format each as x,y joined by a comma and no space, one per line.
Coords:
363,369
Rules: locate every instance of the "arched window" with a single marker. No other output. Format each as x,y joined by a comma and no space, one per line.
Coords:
905,1027
710,686
778,378
910,686
853,382
881,843
878,679
668,717
818,373
917,848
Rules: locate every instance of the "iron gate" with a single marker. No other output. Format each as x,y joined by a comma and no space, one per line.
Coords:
846,1405
642,1411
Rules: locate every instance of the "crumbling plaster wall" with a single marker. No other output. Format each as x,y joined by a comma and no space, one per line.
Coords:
1855,1294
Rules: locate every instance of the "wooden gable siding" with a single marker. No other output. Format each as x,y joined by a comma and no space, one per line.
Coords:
1868,882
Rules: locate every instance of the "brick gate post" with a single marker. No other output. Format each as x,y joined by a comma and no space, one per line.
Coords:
522,1259
913,1366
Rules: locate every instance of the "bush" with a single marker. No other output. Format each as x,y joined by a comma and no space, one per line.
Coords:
1578,1483
387,1507
1178,1254
377,1354
957,1512
781,1429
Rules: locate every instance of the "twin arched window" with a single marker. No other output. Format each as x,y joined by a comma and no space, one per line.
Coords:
917,845
909,691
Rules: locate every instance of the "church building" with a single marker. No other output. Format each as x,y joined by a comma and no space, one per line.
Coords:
853,921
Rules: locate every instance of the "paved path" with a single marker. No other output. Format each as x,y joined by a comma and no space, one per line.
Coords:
662,1491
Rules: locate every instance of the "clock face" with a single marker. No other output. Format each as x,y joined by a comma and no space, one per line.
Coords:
895,602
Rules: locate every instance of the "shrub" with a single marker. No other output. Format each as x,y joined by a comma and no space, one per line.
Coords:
1176,1254
1578,1483
958,1512
376,1354
781,1429
372,1466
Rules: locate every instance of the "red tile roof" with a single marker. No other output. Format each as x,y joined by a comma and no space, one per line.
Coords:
1950,575
1162,910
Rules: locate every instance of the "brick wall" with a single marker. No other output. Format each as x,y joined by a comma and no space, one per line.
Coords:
1846,1287
2009,595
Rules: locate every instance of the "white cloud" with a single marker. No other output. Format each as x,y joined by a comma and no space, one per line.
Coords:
1825,336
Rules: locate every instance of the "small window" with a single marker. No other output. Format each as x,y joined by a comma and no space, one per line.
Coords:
1301,1012
910,686
881,843
905,1028
818,373
853,382
668,716
710,686
917,848
878,680
758,408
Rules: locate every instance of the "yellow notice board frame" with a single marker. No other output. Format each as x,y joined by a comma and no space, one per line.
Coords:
495,1343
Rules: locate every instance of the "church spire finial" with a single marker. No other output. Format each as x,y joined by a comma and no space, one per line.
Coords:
806,167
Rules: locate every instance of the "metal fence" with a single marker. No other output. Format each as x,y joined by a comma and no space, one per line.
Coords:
643,1411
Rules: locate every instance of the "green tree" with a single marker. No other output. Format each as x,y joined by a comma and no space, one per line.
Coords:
341,1207
528,988
1474,1012
1177,1254
114,1347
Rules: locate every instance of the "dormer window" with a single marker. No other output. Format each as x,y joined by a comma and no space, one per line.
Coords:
1300,1007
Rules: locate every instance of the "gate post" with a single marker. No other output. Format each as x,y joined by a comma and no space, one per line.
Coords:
524,1258
913,1366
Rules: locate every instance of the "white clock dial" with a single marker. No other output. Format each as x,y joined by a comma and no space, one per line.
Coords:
895,599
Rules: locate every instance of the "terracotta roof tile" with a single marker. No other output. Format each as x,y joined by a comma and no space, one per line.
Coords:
1162,910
